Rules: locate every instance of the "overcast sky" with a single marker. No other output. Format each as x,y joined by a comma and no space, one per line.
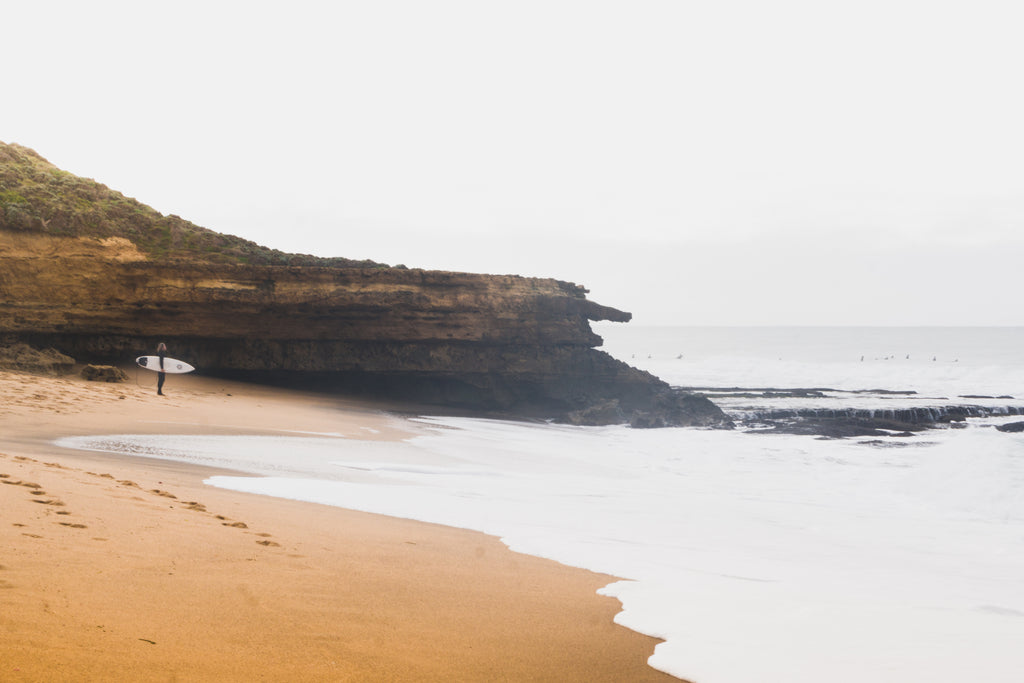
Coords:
692,162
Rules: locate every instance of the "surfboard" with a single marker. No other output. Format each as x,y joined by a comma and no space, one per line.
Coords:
171,365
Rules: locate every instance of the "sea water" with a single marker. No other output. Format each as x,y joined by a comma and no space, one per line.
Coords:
756,557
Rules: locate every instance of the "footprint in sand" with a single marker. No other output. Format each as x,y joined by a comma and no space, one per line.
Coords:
73,526
48,502
189,505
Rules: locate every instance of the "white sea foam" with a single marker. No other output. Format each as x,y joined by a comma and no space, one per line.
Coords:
757,557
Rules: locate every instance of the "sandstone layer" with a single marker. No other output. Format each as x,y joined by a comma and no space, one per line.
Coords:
464,341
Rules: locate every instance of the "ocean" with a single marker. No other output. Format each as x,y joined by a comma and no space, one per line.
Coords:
758,557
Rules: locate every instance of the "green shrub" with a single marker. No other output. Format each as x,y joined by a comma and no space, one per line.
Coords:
35,195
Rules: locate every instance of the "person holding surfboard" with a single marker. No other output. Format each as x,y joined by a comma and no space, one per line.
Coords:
161,352
162,364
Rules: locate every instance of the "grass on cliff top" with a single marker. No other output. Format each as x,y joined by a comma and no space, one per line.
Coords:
36,196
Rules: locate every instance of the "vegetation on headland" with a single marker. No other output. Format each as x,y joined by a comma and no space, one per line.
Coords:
36,196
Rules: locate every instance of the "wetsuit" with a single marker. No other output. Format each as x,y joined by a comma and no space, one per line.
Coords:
161,375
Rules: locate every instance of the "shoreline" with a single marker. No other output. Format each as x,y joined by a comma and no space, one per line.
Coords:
124,568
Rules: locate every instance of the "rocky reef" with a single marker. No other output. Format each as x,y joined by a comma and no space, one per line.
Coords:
24,358
103,288
836,413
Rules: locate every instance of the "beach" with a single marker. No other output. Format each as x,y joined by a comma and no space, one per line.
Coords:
120,568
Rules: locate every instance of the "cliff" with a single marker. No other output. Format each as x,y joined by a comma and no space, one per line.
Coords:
102,278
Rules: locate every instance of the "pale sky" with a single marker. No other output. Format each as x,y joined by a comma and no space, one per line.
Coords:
735,163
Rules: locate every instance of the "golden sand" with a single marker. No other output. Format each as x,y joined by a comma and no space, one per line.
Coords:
126,569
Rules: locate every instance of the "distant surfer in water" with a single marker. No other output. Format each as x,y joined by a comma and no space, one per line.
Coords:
161,351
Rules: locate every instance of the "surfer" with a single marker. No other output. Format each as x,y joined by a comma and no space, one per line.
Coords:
161,351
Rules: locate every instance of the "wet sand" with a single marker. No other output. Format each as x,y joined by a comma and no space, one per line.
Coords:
128,569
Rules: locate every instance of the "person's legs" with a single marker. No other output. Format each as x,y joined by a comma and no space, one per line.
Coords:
160,383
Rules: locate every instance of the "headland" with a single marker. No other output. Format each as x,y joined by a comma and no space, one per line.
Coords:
103,278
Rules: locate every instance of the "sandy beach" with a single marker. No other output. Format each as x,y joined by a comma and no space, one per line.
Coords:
115,568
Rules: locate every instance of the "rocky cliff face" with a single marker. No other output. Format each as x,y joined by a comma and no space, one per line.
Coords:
501,343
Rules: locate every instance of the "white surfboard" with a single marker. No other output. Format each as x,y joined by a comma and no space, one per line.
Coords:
171,365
